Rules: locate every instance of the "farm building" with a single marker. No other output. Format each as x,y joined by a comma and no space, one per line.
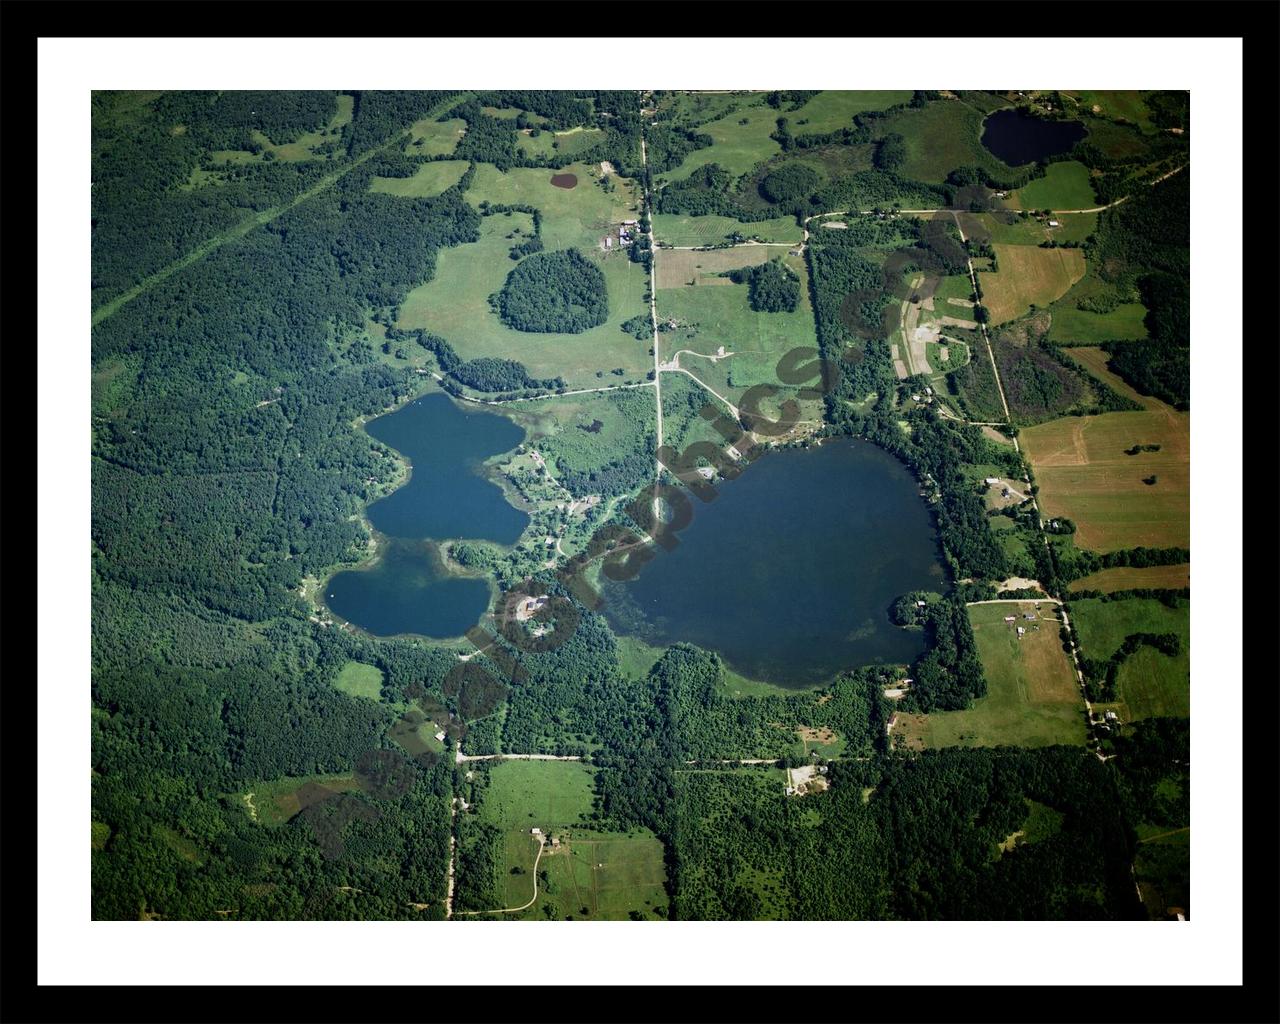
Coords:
1021,630
535,831
1010,618
991,480
1054,224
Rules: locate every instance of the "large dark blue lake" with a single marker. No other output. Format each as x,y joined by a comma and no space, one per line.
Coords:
447,496
1017,137
790,572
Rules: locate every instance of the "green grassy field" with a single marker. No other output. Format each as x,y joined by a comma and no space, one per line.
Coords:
579,216
454,305
1126,104
567,143
623,422
276,801
712,316
1120,142
543,794
1153,577
610,874
679,229
835,108
1080,327
1150,683
429,179
587,876
436,137
360,680
1084,473
1028,276
1072,325
940,137
1064,186
737,147
99,833
1033,699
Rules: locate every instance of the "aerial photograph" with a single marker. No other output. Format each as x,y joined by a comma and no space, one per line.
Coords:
640,505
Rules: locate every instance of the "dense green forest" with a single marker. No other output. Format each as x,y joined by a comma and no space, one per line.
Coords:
1144,244
773,286
554,293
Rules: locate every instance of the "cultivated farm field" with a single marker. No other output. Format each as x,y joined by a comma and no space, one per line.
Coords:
1152,577
1028,276
1084,473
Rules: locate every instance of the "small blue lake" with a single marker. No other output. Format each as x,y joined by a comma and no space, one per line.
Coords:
448,496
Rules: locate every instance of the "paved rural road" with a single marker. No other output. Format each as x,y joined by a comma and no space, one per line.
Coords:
542,845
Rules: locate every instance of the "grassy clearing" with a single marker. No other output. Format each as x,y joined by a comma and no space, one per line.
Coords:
1064,186
710,317
429,179
99,833
1154,577
1084,473
685,268
835,108
579,216
1033,699
1074,325
112,383
559,143
1118,104
1150,683
636,658
737,147
360,680
304,147
454,304
587,433
589,876
1029,276
940,137
680,229
275,802
541,794
430,137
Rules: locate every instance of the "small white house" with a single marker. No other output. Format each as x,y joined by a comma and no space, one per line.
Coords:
440,736
535,831
1054,224
920,604
1021,630
991,480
